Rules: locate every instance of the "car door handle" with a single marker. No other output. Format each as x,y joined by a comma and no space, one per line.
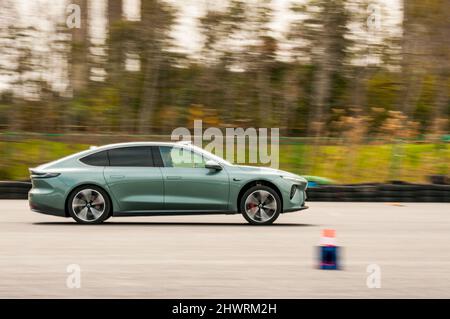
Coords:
117,176
173,177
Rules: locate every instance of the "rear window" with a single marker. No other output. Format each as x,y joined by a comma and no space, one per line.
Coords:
131,156
96,159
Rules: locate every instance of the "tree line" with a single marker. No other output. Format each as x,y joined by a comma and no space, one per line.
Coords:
332,81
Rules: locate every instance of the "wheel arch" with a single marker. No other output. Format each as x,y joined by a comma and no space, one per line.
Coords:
255,183
66,202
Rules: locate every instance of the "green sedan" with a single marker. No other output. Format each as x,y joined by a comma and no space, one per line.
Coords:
149,178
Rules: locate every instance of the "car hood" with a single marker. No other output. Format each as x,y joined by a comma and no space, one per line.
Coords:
268,170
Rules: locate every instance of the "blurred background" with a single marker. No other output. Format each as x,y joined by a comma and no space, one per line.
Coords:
359,89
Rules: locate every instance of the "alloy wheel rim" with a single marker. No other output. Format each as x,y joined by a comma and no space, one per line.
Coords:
260,206
88,205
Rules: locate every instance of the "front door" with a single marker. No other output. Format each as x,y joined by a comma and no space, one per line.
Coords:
188,185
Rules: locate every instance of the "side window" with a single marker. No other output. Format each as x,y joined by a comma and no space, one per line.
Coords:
180,157
156,155
198,160
137,156
96,159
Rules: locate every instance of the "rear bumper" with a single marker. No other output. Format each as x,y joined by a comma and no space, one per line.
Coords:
39,203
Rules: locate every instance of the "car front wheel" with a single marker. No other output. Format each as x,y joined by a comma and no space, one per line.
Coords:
260,205
89,205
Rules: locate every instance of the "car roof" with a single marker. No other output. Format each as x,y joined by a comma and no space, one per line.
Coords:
131,144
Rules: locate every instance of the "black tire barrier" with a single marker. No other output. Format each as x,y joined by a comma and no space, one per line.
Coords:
371,192
368,192
25,185
14,190
14,196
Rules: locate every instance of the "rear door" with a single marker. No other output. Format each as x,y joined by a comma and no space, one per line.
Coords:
135,182
188,185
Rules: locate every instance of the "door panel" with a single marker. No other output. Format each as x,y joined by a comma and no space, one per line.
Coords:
195,189
136,188
188,185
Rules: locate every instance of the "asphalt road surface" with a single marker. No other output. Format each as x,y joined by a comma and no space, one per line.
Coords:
219,256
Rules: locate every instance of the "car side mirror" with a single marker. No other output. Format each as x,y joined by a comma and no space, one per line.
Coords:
213,165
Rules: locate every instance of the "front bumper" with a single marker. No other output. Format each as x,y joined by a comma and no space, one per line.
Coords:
294,201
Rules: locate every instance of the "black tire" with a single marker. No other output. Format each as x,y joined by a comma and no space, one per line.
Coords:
253,220
105,213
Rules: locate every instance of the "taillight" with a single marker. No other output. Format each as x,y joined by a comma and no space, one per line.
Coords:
37,174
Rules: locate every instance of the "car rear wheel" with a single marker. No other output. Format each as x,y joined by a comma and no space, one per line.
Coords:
260,205
89,205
